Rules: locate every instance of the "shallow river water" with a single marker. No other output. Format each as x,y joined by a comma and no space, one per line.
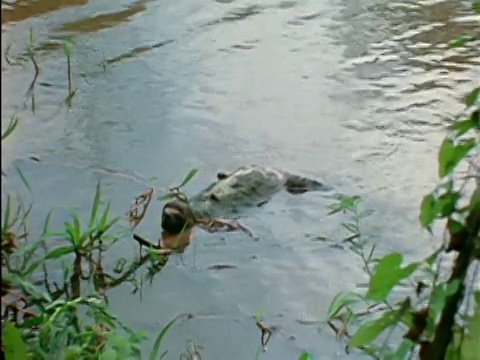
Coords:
354,93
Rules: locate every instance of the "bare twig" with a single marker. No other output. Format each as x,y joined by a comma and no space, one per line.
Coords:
216,225
140,201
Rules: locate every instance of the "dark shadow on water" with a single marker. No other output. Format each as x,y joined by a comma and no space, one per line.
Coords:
238,14
137,51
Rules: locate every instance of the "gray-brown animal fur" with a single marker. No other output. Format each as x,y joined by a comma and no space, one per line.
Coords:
248,186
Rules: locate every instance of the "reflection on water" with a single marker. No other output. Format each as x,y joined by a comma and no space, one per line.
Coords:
16,11
103,21
356,93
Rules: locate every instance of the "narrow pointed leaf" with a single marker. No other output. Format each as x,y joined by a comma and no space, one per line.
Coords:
158,341
96,202
6,218
22,177
11,126
472,97
370,330
342,300
59,252
189,177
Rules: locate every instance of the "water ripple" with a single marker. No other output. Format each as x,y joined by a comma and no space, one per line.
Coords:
410,66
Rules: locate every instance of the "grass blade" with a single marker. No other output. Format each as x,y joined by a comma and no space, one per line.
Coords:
11,126
76,229
189,177
96,202
158,341
110,224
24,179
59,252
47,222
104,219
71,234
6,225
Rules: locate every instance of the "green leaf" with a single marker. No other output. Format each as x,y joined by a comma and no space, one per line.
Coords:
6,216
305,356
474,206
189,177
472,97
461,127
258,315
47,222
96,202
428,211
445,205
439,296
387,274
346,203
476,6
156,346
109,354
76,223
403,351
460,41
71,234
103,221
11,126
27,287
73,352
471,346
120,345
59,252
370,330
14,346
341,300
450,155
22,177
31,38
68,47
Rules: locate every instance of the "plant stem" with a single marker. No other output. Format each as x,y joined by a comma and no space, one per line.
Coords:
444,330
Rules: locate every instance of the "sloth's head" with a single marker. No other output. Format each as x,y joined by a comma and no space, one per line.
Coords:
177,216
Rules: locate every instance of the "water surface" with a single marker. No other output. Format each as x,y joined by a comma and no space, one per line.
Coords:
354,93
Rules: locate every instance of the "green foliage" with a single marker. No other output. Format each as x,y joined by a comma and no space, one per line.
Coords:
15,347
189,177
67,47
472,97
470,346
342,300
69,321
305,356
426,314
386,275
460,41
154,354
370,330
22,177
10,128
68,318
175,192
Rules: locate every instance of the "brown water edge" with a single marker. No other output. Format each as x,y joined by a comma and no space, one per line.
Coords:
356,94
